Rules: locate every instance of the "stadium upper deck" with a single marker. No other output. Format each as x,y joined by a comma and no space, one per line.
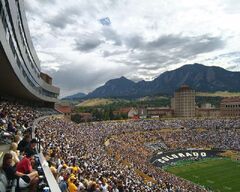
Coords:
21,74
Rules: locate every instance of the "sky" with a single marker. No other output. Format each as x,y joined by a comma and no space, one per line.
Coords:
84,43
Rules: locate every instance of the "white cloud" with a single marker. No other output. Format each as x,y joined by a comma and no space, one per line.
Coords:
145,38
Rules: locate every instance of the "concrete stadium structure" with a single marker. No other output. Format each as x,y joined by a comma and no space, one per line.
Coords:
20,72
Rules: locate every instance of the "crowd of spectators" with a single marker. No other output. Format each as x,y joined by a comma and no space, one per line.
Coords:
105,156
14,120
18,163
111,156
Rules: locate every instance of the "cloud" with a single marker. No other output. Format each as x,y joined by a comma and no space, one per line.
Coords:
107,53
48,1
204,44
111,35
63,17
88,44
60,21
172,49
194,45
135,42
230,61
149,58
168,42
145,38
74,77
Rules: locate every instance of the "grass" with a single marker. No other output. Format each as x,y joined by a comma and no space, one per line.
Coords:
218,174
95,102
218,94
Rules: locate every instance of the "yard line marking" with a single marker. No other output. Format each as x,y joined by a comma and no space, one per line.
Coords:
210,181
228,188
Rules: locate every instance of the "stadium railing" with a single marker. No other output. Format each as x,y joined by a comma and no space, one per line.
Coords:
52,184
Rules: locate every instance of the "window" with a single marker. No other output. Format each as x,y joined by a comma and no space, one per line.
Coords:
1,7
4,22
24,73
18,62
12,45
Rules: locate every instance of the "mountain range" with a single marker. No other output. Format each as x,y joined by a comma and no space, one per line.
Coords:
76,96
199,77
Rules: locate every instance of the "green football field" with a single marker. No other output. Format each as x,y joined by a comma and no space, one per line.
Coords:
216,174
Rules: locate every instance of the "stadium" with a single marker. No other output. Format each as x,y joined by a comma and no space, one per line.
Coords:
40,150
21,75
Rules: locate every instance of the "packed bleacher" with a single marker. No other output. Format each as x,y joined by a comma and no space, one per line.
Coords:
111,156
101,156
20,169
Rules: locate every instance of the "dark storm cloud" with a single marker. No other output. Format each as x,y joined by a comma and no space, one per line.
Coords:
167,42
87,44
172,48
203,44
149,58
194,45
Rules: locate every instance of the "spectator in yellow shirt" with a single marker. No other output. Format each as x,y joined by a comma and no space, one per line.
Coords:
71,185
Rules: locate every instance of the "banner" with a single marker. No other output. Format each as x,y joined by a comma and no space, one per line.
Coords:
166,158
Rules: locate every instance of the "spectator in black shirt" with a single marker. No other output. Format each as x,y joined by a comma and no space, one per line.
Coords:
11,127
31,148
24,143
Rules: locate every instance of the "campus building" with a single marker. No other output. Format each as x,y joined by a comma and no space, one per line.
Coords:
20,72
230,107
158,112
183,102
208,112
65,109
